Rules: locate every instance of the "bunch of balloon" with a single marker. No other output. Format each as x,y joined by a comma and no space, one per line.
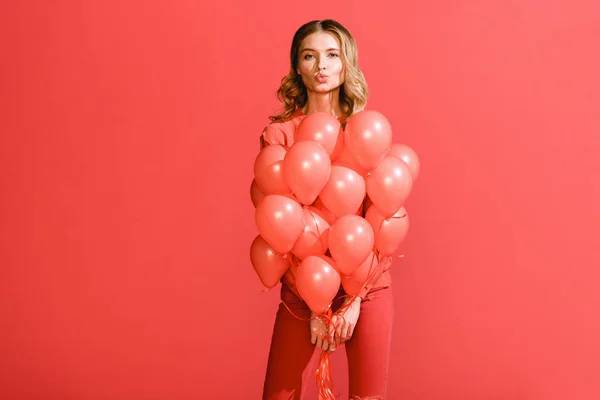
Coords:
310,199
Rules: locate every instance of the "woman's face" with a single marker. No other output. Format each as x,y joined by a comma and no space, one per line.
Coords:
319,62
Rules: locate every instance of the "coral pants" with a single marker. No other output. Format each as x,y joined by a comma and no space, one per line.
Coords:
292,365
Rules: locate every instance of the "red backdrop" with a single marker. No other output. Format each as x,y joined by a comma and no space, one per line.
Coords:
129,130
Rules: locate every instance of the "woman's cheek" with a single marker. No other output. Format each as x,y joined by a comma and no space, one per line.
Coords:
340,69
342,74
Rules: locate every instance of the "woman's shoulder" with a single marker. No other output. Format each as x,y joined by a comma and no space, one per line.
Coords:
282,131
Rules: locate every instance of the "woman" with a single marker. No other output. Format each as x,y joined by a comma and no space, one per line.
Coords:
324,77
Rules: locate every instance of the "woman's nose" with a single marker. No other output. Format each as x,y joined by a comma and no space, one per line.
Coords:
322,64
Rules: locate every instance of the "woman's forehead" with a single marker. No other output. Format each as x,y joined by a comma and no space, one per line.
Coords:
320,41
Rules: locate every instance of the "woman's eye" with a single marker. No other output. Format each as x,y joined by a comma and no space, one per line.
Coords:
334,54
306,57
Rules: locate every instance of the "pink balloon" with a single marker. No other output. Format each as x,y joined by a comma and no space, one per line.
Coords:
389,232
368,137
268,170
345,159
407,155
324,212
350,240
268,264
344,192
314,239
389,185
354,283
256,195
321,128
318,282
306,170
280,221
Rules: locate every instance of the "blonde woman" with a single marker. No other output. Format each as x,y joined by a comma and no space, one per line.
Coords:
324,77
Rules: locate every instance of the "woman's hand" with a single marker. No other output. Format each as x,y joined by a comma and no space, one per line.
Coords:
344,322
319,334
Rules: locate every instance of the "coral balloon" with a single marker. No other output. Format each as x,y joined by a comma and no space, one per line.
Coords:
350,240
268,264
321,128
389,232
318,282
389,185
368,137
407,155
268,170
344,192
280,221
306,170
353,284
313,240
256,195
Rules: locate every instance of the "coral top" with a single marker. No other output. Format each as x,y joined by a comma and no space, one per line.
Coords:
282,133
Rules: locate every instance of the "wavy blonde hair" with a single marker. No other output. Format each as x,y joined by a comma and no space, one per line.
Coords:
353,92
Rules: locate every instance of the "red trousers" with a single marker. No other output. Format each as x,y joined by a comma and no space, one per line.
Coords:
291,363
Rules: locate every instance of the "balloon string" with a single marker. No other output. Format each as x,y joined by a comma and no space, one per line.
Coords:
323,374
325,378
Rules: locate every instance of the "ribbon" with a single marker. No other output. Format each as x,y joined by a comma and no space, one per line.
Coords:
325,378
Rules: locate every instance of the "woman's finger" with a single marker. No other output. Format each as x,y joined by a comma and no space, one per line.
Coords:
339,328
351,330
332,340
331,331
314,331
346,330
325,345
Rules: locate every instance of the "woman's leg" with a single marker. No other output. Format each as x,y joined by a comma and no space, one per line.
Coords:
368,350
291,363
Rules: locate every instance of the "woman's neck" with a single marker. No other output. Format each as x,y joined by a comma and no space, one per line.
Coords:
323,102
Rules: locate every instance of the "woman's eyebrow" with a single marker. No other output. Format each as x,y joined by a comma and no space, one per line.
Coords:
309,49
